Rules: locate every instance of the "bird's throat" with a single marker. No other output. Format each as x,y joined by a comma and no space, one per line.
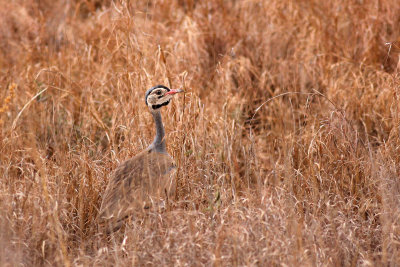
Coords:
157,106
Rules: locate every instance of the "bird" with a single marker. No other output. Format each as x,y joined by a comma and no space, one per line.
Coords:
147,178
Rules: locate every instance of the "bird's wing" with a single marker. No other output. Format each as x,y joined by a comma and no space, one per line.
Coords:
133,183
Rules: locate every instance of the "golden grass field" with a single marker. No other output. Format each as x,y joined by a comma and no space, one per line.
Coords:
287,139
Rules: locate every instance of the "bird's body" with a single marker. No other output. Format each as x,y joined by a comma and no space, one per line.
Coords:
146,180
136,184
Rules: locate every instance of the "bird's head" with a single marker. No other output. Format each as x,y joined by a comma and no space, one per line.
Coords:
159,96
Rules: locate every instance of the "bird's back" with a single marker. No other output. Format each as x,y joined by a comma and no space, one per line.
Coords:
137,183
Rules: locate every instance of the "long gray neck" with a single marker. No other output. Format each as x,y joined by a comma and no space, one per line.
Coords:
159,141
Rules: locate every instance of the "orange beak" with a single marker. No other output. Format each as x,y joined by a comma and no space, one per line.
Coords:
174,91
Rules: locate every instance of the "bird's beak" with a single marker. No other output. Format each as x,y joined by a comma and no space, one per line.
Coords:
174,91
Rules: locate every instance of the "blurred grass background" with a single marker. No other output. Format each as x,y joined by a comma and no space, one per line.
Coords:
286,141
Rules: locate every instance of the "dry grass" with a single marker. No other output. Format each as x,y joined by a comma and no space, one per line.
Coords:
287,140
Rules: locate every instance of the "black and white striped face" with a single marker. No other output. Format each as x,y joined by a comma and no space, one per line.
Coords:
159,96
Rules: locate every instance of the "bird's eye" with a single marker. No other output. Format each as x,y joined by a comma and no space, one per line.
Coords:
158,92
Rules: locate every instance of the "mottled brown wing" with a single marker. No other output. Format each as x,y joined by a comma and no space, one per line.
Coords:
134,185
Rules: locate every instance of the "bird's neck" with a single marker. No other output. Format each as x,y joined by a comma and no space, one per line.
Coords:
159,141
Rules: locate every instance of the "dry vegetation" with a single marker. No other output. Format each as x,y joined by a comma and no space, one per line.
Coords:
286,141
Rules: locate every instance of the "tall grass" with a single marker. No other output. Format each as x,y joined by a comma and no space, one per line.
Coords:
286,140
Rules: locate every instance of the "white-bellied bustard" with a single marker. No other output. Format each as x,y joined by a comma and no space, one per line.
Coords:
147,178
